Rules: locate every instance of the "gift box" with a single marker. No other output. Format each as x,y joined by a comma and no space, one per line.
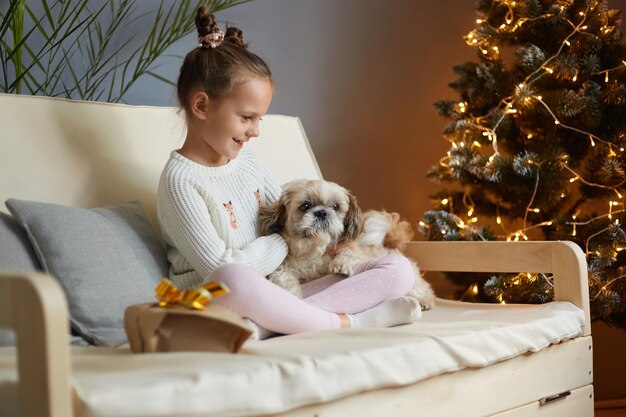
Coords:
185,321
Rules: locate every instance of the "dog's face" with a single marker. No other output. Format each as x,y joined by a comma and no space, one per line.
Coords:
313,209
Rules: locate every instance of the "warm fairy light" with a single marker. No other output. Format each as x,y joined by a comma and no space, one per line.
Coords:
421,223
523,98
475,289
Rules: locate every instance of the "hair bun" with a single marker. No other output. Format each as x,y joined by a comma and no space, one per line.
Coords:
205,22
235,35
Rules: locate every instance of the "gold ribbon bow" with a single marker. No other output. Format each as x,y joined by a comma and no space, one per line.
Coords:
197,298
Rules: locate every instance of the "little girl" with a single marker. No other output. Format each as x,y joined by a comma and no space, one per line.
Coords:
209,197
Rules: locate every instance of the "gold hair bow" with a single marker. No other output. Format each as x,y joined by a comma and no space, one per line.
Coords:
197,298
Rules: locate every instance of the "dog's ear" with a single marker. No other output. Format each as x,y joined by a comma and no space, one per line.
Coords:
353,222
273,217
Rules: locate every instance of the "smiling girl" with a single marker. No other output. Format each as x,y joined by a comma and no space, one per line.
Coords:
211,190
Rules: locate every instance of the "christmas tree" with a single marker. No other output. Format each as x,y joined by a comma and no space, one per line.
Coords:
538,139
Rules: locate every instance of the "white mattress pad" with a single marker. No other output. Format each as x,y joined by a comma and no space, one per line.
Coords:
287,372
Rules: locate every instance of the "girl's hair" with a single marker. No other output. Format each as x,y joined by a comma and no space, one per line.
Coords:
217,71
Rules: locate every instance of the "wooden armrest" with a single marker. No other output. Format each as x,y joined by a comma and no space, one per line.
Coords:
34,305
564,259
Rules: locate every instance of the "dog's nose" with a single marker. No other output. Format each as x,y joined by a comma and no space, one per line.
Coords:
320,214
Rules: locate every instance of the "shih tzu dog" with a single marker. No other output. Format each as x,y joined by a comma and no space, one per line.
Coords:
328,234
313,217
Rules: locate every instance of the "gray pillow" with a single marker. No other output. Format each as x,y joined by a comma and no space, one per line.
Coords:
16,255
105,259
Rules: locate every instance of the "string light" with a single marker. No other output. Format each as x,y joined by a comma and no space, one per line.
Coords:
522,100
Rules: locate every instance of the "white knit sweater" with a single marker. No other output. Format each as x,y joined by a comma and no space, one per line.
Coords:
209,216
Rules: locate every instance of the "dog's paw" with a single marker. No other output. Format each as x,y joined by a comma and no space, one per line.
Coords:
425,298
287,282
341,268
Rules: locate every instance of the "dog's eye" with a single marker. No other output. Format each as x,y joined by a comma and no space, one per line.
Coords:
336,207
304,206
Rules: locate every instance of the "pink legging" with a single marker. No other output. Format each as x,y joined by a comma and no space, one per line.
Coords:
270,306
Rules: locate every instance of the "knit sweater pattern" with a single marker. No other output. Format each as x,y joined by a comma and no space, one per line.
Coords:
209,216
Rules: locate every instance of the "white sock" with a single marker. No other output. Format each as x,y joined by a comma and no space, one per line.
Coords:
258,332
391,312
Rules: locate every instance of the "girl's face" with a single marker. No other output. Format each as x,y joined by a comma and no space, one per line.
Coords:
221,128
